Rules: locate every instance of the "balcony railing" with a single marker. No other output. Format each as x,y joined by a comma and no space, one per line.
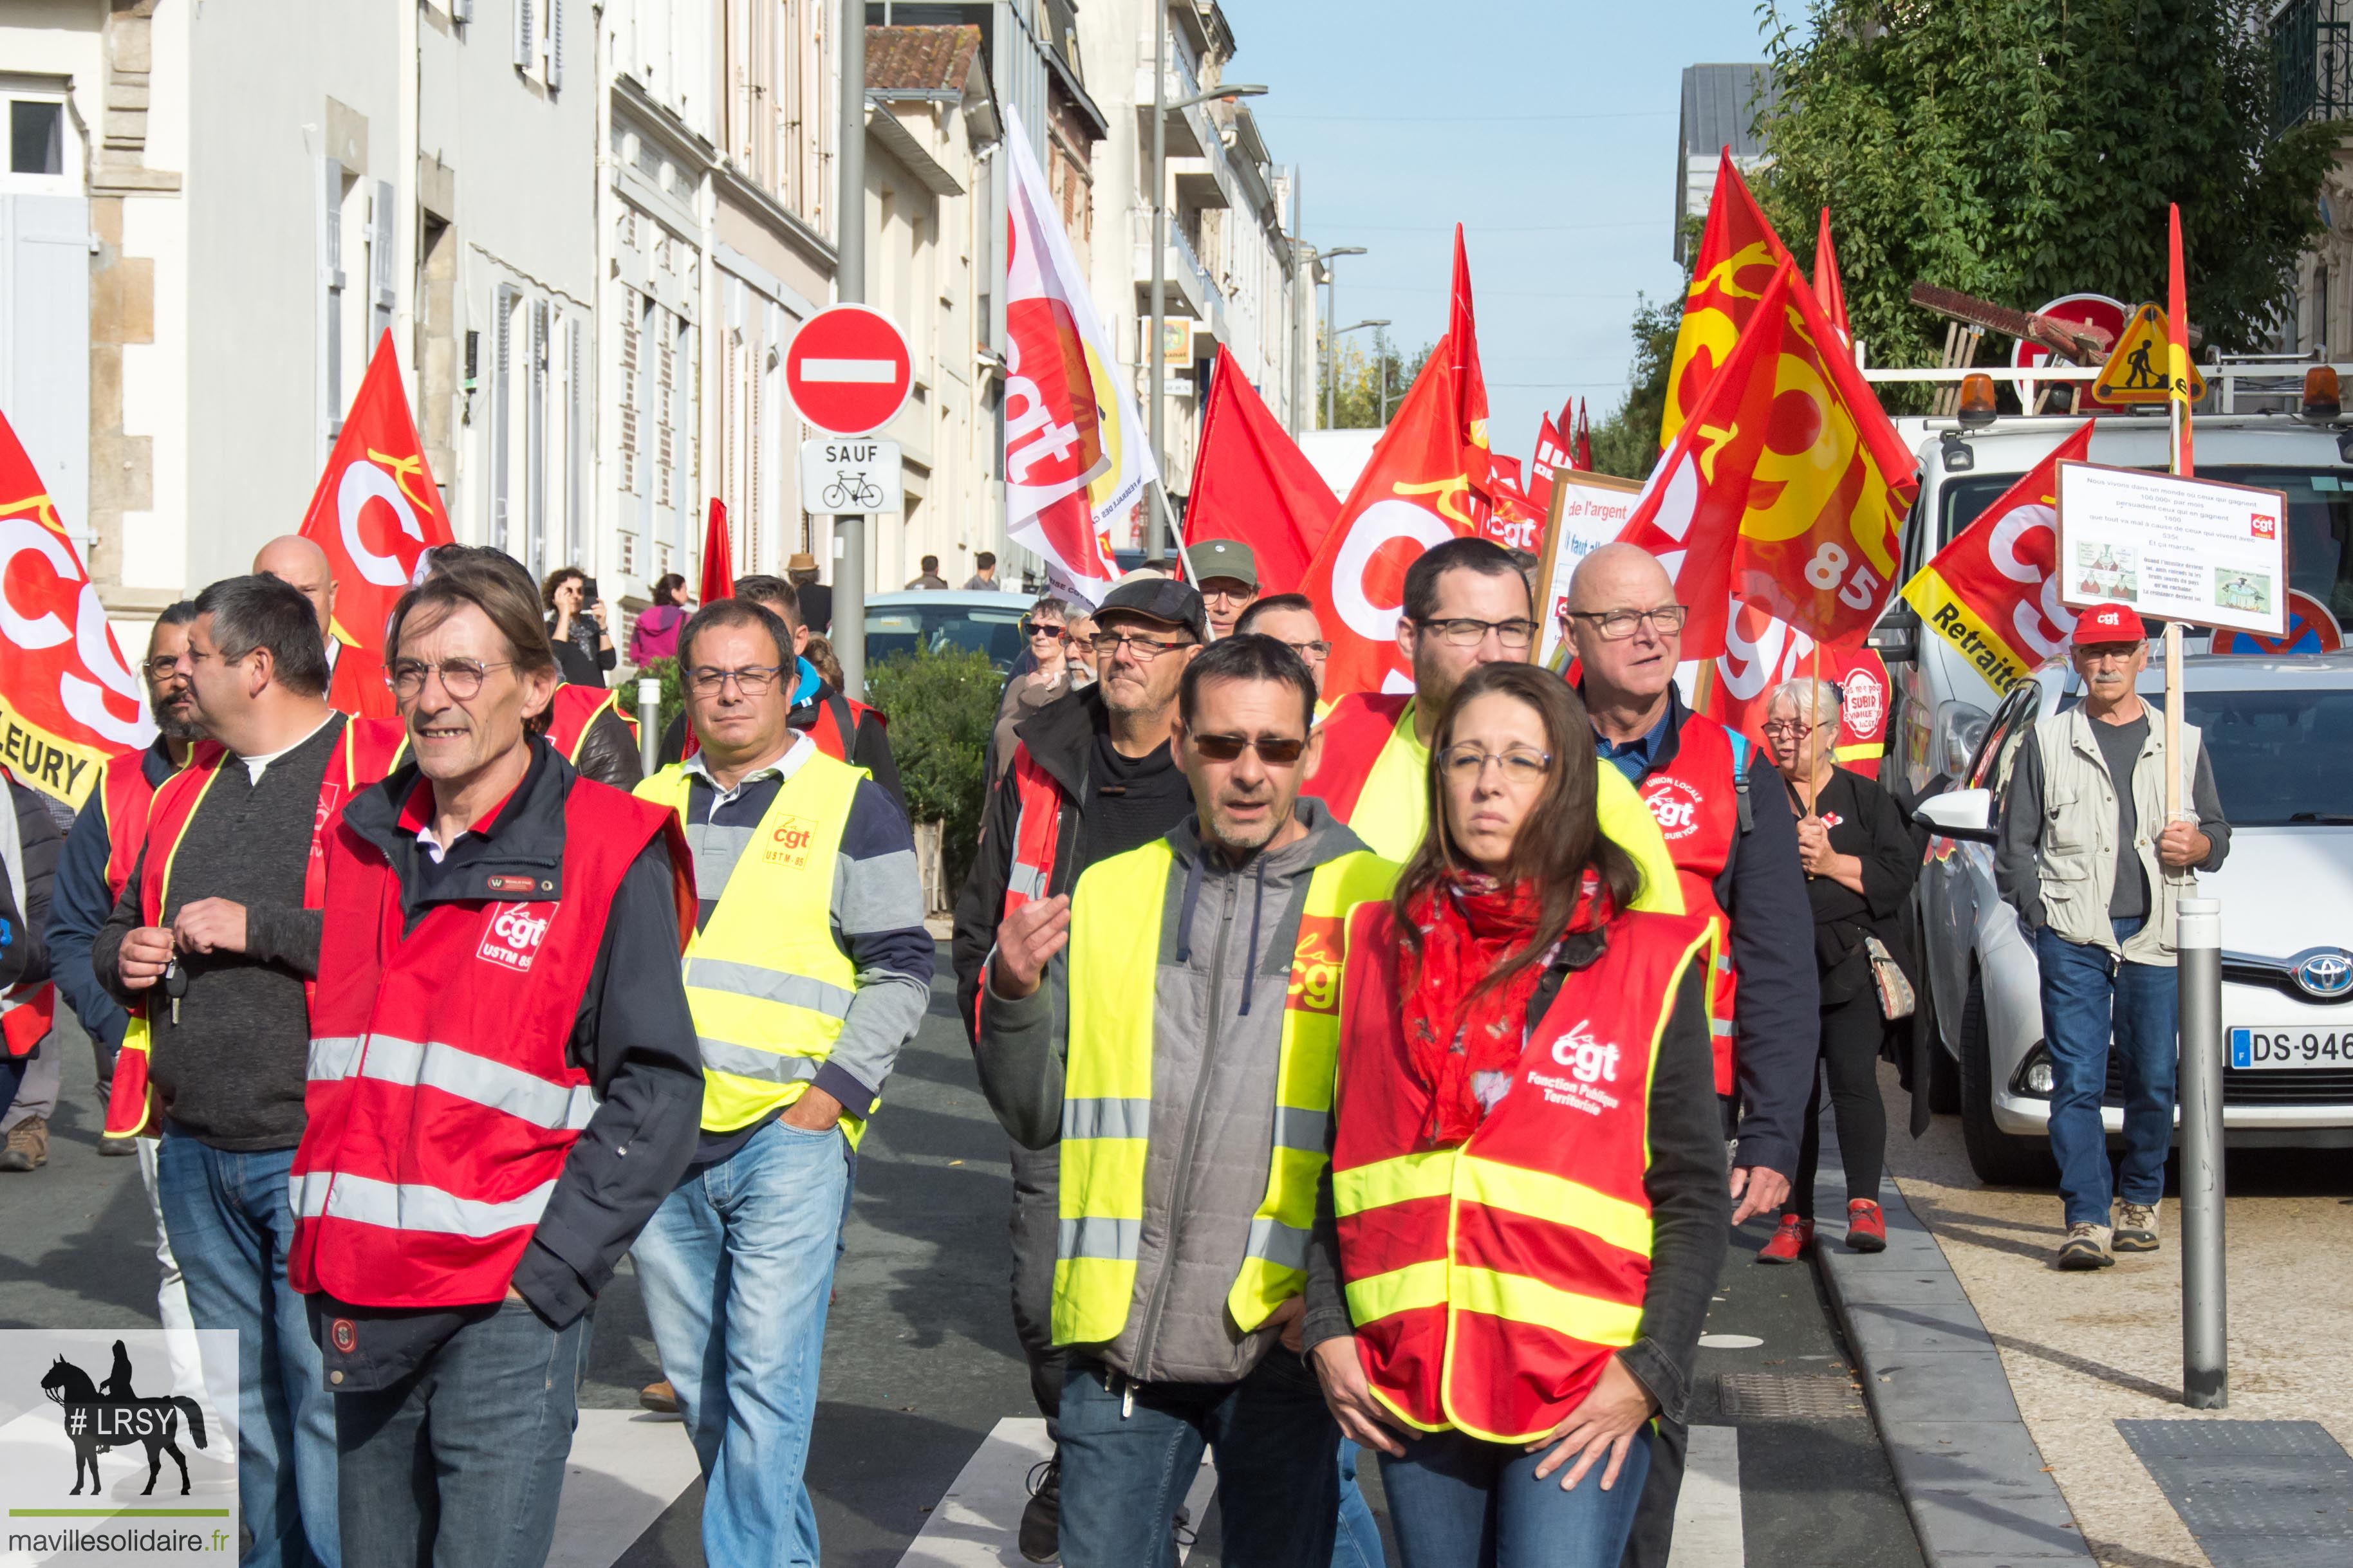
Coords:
2312,51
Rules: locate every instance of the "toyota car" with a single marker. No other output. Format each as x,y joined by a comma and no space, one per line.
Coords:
2281,735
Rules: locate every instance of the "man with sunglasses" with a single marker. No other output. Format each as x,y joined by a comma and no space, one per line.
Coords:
1466,604
1168,1033
1736,865
1093,775
809,970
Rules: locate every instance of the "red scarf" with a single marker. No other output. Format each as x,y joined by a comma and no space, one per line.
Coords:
1466,1047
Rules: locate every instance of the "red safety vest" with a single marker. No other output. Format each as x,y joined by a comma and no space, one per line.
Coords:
123,796
356,685
442,1100
1695,799
366,751
1491,1282
573,711
1354,733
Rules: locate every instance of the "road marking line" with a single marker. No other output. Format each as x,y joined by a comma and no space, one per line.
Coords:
1708,1533
880,372
624,1469
975,1524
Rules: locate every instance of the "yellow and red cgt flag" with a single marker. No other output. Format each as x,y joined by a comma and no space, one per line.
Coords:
1429,480
1993,590
1737,253
1786,490
376,513
1829,288
69,700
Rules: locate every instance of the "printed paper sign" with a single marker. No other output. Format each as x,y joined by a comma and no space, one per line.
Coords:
2175,548
1587,510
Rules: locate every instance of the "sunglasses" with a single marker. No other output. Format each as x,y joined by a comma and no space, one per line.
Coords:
1281,753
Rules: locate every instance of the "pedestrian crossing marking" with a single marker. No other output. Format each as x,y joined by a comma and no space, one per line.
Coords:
1708,1533
624,1469
974,1525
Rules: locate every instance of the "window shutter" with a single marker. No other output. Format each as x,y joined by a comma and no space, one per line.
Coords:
526,35
501,416
382,295
630,353
575,432
331,301
554,45
535,444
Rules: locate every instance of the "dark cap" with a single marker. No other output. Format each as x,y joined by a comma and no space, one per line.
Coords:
1225,558
1162,599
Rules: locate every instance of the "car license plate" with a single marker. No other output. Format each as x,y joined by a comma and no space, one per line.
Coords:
2258,1050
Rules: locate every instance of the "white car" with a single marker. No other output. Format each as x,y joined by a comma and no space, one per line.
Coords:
2280,733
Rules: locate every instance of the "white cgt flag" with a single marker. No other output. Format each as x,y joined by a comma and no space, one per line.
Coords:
1077,461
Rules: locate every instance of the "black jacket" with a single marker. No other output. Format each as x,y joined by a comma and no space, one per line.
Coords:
25,954
634,1036
1763,888
608,753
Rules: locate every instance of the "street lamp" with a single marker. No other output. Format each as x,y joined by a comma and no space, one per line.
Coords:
1157,537
1334,380
1331,314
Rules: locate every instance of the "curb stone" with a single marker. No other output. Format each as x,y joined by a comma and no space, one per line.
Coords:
1971,1474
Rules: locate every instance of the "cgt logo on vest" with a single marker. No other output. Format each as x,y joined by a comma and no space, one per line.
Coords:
1315,965
1674,803
790,842
1590,1064
511,940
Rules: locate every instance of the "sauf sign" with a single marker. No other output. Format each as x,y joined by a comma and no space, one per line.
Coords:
849,476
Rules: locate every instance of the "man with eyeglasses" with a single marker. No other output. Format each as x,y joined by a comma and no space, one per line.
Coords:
1226,569
1093,775
807,971
1466,604
1290,619
1736,865
1168,1033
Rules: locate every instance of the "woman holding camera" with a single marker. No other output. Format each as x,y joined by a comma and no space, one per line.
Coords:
575,627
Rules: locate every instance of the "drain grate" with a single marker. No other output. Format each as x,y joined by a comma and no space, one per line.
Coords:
1766,1396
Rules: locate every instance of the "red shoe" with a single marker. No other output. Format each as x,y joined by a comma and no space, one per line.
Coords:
1866,1227
1789,1242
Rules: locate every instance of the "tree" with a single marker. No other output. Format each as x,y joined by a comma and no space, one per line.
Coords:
2018,150
1627,442
1359,404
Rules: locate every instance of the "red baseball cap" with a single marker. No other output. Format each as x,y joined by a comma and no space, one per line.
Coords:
2108,622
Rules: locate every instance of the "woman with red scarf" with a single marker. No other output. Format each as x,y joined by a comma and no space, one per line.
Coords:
1525,1210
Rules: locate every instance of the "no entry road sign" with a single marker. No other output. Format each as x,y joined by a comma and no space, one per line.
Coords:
847,370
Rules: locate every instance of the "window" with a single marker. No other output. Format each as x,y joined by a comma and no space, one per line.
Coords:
37,137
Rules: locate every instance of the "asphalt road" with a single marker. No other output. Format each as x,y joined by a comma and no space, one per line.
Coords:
921,1362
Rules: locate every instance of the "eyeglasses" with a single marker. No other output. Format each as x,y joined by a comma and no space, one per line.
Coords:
1312,652
753,681
1145,650
1280,751
1079,643
1238,593
1616,626
460,678
1042,629
1795,729
1520,765
160,668
1465,632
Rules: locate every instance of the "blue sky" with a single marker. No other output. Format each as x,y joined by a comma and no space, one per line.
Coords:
1548,129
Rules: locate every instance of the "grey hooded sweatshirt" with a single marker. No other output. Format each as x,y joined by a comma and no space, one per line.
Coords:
1227,935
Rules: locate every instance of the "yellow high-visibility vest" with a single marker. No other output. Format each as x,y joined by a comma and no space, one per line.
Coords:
1107,1110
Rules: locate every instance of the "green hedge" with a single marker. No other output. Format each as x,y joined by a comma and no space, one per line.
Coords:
941,707
673,697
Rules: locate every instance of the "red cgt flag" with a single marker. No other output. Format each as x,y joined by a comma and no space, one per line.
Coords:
67,699
376,513
1829,288
1786,490
1427,482
718,556
1252,483
1737,253
1584,463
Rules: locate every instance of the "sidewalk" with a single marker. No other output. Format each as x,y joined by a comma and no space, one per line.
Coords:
2084,1351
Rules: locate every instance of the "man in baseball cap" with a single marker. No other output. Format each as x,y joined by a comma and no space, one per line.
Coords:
1228,572
2095,872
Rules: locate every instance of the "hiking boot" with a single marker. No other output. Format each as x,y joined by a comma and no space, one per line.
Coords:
1791,1240
2136,1228
1041,1522
27,1148
1866,1227
659,1398
2087,1247
118,1147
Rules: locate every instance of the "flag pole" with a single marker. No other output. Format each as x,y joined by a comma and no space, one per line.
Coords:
1814,698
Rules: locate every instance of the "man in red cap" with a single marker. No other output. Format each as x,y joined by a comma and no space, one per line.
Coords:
2095,872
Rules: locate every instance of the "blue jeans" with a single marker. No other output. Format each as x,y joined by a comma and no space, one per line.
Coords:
460,1464
1126,1468
1458,1503
1358,1542
2087,993
230,1224
735,1266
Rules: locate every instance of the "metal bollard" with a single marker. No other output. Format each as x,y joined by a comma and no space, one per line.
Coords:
2205,1309
649,726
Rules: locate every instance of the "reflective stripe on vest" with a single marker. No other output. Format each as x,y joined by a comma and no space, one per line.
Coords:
769,984
1036,829
1116,939
1373,774
1695,800
1490,1282
442,1100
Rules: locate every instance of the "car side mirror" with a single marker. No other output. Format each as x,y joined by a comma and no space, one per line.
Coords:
1896,638
1962,814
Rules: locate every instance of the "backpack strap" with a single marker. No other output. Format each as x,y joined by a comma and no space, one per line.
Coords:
1740,778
